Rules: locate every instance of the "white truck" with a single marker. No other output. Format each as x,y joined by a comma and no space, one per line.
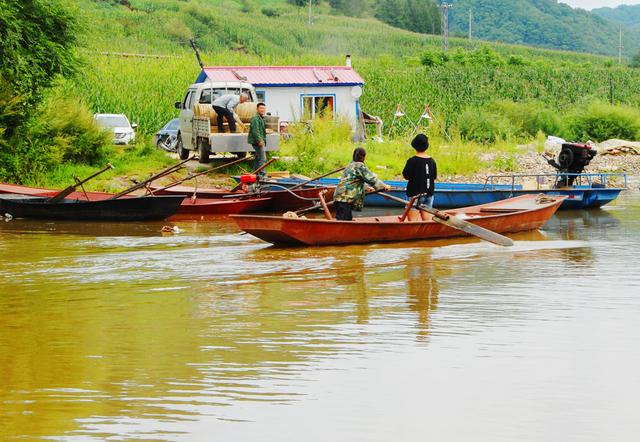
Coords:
195,131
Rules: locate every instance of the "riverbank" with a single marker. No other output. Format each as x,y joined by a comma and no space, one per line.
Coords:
527,163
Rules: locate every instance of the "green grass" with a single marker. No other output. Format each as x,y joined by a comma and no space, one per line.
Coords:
137,162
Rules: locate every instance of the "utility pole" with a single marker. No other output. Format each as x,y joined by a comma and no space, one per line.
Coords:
470,21
445,25
310,13
620,47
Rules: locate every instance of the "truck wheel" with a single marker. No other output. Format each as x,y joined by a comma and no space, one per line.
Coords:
183,153
203,151
240,154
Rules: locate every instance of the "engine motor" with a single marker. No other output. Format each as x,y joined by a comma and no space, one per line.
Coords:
572,159
249,183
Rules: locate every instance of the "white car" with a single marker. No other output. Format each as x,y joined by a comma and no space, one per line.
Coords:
123,131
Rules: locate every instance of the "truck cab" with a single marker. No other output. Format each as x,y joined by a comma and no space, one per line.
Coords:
195,133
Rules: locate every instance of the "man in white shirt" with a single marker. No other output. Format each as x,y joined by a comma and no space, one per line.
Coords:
225,106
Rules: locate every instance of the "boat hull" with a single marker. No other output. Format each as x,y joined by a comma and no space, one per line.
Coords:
279,200
203,206
189,206
508,216
122,209
456,195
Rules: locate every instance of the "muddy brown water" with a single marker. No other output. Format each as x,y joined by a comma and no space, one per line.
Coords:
115,332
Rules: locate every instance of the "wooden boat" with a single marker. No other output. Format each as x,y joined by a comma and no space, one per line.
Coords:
15,189
189,206
280,200
527,212
122,209
203,206
592,191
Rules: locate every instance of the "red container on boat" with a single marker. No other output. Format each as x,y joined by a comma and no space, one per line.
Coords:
248,178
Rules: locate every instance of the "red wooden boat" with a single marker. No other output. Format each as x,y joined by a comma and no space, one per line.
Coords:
280,200
189,206
203,207
39,191
527,212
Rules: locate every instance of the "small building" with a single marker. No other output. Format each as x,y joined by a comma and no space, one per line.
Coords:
296,93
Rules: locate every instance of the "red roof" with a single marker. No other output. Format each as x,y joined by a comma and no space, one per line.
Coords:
286,75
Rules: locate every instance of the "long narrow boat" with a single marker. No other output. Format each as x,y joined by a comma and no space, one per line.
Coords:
122,209
280,199
527,212
202,206
190,207
594,190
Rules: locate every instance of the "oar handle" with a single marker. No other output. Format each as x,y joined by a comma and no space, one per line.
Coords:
150,179
63,193
190,177
317,178
264,166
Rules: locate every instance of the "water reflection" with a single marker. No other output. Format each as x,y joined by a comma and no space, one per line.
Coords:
422,289
163,338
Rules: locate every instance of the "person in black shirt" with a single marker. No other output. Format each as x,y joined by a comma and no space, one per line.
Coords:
421,173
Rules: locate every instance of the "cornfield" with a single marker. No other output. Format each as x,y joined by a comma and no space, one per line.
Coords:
387,58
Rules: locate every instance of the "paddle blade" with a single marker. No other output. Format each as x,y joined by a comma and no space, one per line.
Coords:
475,230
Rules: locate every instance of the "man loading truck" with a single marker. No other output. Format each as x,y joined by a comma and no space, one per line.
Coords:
225,107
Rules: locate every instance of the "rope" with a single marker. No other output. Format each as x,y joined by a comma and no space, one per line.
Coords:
292,193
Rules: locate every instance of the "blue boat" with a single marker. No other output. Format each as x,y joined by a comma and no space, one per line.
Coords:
592,190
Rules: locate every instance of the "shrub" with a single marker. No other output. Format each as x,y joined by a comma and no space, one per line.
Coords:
316,145
271,12
600,121
527,119
518,60
177,30
61,131
487,56
434,58
483,127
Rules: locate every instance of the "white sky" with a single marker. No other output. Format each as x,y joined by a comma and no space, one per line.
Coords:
590,4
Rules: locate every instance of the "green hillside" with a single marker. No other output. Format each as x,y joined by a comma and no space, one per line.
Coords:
628,15
544,23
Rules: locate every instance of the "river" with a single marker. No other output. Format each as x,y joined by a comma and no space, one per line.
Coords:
116,332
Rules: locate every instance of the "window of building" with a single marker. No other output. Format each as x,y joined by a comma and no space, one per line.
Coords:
318,105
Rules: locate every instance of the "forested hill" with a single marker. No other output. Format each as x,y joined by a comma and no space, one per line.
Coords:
625,14
544,23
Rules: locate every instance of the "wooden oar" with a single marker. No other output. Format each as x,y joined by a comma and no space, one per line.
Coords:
258,170
142,184
65,192
317,178
459,224
190,177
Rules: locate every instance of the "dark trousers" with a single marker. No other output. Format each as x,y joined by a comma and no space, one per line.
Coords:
223,112
343,211
260,159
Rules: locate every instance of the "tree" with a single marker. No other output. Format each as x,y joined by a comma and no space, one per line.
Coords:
349,7
38,37
414,15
